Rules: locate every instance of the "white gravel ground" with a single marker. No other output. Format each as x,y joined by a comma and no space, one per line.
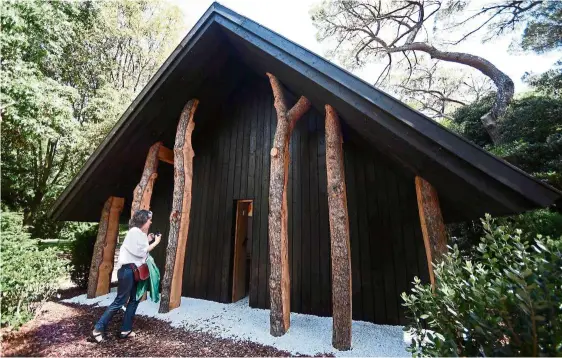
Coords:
308,334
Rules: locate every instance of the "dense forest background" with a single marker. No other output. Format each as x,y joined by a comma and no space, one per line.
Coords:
69,69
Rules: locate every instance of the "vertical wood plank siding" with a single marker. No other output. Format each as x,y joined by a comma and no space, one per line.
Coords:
232,162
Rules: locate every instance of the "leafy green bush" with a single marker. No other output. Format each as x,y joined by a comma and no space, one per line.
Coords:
468,122
467,234
548,83
505,301
28,276
547,222
81,256
531,134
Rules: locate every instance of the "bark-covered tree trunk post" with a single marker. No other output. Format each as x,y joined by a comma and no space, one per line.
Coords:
279,280
432,225
104,248
339,233
143,190
181,208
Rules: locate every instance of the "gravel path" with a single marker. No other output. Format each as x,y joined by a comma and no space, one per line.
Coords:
60,329
308,335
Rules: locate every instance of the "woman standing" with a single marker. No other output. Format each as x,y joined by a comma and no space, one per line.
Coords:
134,250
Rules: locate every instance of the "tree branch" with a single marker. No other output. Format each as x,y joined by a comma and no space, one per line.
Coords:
61,169
279,97
371,29
513,7
438,94
298,110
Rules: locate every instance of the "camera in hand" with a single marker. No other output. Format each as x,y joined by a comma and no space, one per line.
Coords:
152,236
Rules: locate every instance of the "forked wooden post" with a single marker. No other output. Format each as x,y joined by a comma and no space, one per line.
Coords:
181,208
432,225
143,191
279,280
104,248
339,233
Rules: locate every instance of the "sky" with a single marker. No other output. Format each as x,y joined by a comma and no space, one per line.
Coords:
291,19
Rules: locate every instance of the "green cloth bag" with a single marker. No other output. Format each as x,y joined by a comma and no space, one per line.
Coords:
152,283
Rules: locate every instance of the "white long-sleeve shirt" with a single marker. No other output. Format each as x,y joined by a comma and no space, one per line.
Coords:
134,249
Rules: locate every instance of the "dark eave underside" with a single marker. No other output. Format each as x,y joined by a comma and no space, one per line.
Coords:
208,64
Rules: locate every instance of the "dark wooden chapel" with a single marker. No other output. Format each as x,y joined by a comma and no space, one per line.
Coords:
275,175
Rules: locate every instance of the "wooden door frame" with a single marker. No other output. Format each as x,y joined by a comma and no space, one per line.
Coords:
234,258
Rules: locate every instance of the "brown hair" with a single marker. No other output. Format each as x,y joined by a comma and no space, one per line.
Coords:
140,217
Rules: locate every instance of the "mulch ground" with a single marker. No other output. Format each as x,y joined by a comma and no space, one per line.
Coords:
61,329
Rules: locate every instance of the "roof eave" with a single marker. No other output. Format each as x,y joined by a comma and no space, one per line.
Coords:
334,79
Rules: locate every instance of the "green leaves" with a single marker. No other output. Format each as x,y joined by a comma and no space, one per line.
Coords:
530,129
544,30
504,301
82,251
69,70
29,275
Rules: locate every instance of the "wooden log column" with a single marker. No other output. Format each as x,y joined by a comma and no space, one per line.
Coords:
181,208
432,225
339,233
143,190
279,280
104,248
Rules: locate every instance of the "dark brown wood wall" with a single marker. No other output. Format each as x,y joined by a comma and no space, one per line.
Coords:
232,162
387,249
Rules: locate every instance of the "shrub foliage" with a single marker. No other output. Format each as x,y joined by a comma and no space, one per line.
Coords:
531,134
504,301
28,276
81,256
531,138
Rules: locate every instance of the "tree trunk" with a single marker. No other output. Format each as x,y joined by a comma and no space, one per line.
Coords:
30,212
339,234
432,225
504,84
181,209
143,191
104,248
279,281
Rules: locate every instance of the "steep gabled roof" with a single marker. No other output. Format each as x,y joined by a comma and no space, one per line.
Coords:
470,180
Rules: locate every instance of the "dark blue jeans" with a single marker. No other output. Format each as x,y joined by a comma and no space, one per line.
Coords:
126,289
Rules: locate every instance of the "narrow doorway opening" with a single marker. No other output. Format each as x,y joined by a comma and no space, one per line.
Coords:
242,247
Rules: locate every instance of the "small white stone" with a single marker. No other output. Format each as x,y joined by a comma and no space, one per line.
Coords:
307,335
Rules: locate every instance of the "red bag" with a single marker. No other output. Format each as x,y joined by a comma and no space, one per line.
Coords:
140,273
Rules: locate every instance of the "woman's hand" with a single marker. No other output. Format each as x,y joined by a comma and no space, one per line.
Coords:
156,241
